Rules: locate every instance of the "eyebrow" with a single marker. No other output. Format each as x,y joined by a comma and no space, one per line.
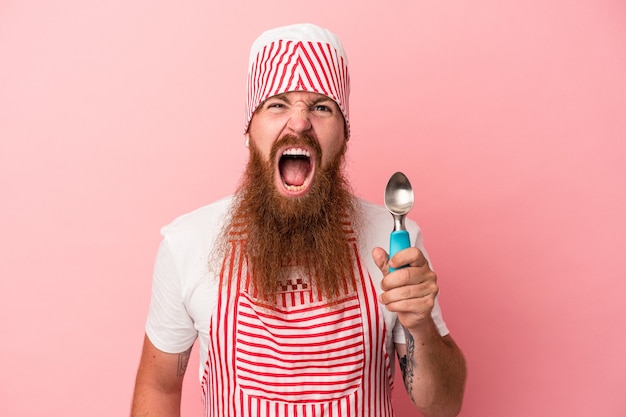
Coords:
320,98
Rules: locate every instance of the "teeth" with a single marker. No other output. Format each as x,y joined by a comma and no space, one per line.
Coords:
297,152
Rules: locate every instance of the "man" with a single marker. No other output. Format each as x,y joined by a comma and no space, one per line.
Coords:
285,284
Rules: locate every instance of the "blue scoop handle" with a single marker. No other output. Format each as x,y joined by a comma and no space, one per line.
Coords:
398,241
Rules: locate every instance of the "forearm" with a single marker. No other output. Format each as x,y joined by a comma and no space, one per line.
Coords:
159,383
150,401
434,372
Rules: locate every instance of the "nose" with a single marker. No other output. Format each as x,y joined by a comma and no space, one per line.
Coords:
299,121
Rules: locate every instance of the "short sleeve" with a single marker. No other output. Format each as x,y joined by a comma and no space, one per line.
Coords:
169,327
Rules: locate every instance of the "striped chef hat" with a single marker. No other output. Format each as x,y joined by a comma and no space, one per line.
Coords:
301,57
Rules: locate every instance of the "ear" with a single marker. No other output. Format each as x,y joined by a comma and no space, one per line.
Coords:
247,136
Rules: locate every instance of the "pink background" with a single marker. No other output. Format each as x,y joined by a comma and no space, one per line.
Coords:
509,118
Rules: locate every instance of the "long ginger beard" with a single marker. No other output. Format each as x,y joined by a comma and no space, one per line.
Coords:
306,231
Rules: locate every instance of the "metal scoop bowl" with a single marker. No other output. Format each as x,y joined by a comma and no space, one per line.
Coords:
399,200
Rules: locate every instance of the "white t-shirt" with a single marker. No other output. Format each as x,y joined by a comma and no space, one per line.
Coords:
185,286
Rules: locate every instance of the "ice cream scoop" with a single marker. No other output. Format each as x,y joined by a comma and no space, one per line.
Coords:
399,200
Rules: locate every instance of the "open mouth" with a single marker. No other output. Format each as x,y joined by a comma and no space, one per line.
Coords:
296,168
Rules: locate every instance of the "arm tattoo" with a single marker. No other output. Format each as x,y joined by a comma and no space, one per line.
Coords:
183,360
406,363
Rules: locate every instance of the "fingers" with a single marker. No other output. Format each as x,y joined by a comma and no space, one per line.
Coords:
418,269
410,256
380,259
413,313
424,290
415,281
411,291
412,301
421,306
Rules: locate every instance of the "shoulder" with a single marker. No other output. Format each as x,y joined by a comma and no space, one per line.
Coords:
198,224
377,223
189,237
370,209
186,248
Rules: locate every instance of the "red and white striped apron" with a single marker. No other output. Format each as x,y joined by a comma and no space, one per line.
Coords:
299,357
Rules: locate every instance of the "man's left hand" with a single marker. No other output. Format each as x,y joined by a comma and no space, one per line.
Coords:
410,290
